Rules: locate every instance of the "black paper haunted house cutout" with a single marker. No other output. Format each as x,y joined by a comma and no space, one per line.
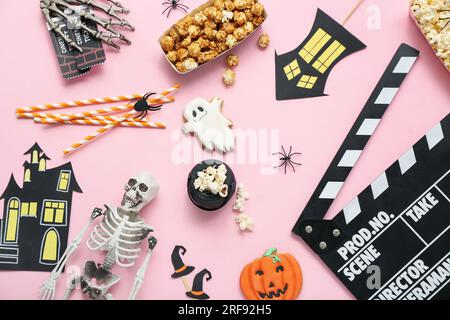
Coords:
36,217
303,72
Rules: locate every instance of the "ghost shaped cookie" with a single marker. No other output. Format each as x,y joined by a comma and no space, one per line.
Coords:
210,126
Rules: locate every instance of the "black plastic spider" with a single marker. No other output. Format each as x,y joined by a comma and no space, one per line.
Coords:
287,159
143,107
174,4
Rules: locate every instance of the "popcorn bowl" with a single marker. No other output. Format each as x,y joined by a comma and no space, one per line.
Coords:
206,200
192,13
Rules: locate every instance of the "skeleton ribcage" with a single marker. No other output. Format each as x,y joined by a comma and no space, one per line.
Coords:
117,234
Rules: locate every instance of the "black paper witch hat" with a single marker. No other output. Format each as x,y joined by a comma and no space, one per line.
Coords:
303,72
197,286
180,268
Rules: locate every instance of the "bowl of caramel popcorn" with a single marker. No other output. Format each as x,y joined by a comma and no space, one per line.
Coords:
210,31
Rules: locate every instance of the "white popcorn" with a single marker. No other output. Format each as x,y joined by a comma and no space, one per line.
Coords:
432,17
222,169
212,180
241,197
190,64
227,16
213,187
211,170
245,222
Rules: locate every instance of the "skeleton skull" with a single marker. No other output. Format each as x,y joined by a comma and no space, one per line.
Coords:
139,191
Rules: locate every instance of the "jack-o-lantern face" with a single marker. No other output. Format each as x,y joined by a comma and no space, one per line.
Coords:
272,277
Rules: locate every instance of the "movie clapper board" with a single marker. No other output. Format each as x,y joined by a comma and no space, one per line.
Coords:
398,228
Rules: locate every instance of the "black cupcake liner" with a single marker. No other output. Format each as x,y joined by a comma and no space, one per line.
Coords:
204,200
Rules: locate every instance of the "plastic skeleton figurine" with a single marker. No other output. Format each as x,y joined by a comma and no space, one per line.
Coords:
120,235
74,11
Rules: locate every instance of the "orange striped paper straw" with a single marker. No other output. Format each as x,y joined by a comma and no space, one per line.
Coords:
98,133
79,103
99,118
136,124
158,99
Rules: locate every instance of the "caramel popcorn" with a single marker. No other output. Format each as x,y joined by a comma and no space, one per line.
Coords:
210,24
232,60
182,28
240,18
180,66
229,5
229,76
203,43
200,18
207,56
212,30
194,50
221,36
218,17
186,41
239,34
258,21
194,31
263,41
182,54
212,45
174,35
248,27
228,27
257,9
221,46
172,56
219,4
210,12
210,33
167,43
243,4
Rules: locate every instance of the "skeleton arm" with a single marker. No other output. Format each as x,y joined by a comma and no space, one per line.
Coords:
49,7
139,279
48,288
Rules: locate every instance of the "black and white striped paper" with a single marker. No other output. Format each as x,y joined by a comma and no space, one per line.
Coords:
392,241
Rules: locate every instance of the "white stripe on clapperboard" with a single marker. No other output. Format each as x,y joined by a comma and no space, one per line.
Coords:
367,128
393,221
406,162
422,277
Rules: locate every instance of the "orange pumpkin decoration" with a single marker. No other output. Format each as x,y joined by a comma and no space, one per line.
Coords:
272,277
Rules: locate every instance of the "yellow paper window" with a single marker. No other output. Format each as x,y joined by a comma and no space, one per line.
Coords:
54,212
49,215
32,212
307,82
63,183
13,221
329,56
292,70
24,211
50,248
314,45
59,217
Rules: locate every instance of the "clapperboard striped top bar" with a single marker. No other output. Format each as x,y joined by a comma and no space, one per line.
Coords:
359,135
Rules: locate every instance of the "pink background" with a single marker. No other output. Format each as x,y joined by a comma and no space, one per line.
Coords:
315,127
